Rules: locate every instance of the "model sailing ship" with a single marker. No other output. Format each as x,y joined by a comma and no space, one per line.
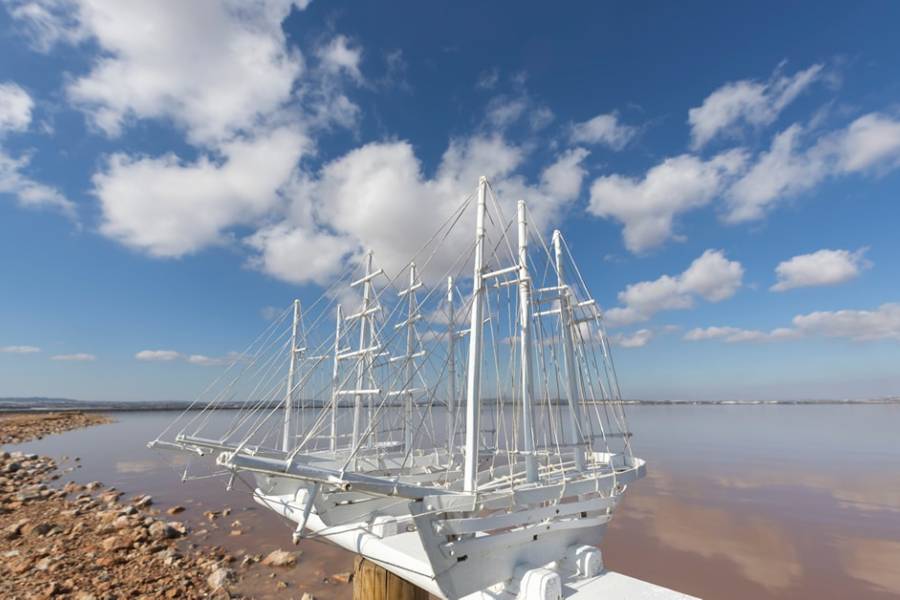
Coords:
462,432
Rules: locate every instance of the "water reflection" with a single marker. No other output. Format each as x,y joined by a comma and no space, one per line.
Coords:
740,501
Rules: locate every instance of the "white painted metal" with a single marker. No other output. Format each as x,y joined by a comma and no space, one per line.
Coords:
451,368
334,379
473,381
521,494
287,440
527,391
569,354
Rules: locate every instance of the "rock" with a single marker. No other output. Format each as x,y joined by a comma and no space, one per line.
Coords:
280,558
142,501
342,577
307,596
14,530
235,532
178,526
89,596
115,542
219,578
281,585
161,531
121,522
175,510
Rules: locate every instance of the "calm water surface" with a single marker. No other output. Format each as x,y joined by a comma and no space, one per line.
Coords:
739,502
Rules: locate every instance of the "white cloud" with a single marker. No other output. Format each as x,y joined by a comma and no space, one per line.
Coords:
363,199
870,144
19,349
194,359
340,56
882,323
647,207
28,192
77,357
157,355
168,208
710,276
637,339
734,334
823,267
858,325
15,116
603,129
747,102
213,361
488,79
15,108
213,80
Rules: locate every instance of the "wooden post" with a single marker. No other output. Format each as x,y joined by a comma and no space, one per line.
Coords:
373,582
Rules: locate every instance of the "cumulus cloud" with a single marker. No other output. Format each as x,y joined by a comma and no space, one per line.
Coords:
77,357
341,56
194,359
213,80
15,117
637,339
158,355
747,102
28,192
870,144
15,107
882,323
169,208
710,276
824,267
362,200
648,206
19,349
603,129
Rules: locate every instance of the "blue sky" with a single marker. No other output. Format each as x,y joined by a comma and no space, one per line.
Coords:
727,177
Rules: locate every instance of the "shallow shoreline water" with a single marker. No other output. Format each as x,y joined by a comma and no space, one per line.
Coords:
780,501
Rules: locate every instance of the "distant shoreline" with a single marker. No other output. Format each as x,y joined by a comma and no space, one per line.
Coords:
67,404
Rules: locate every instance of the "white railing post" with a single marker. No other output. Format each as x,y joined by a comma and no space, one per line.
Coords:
473,381
565,317
531,470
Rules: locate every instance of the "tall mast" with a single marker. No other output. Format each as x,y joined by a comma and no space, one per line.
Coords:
410,353
531,470
565,316
451,370
473,381
334,378
361,366
287,439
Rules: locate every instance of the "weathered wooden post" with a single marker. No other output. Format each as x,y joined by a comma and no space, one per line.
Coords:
373,582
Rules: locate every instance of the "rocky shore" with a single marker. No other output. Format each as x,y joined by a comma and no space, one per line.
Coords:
16,428
81,541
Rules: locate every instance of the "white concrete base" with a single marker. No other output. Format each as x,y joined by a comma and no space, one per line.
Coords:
608,585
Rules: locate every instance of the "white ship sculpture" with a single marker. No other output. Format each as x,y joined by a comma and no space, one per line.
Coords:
463,429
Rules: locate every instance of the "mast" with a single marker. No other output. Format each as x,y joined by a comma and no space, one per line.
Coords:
334,378
565,316
361,366
451,370
473,381
410,354
531,470
289,394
